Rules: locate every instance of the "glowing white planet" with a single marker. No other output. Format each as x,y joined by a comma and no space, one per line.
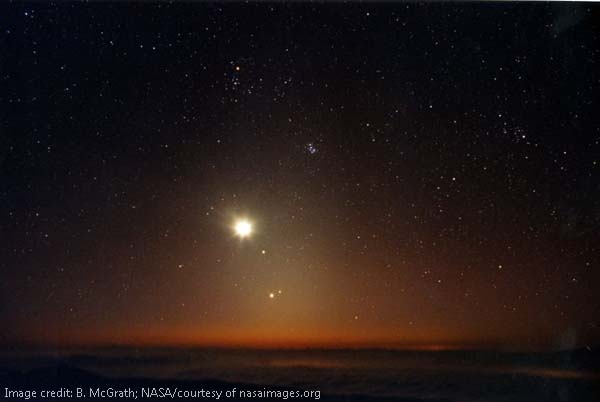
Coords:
243,228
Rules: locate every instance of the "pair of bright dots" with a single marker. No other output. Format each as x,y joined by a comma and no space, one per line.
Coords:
273,294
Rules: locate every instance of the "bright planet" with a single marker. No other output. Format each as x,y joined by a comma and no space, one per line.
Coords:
243,228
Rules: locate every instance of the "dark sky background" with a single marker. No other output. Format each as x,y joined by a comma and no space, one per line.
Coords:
416,175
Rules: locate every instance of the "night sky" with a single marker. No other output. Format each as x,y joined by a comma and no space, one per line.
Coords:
409,175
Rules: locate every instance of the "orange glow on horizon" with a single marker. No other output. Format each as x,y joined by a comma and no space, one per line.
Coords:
257,339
